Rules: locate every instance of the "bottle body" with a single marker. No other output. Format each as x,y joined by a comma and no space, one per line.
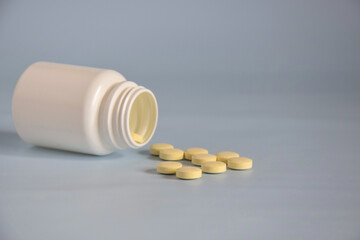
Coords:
68,107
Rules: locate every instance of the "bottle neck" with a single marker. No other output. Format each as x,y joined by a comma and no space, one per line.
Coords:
128,116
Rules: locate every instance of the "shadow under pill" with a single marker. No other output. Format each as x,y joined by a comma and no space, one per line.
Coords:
153,158
187,163
144,152
151,171
154,172
169,176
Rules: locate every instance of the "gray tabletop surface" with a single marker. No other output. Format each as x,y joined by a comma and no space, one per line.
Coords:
305,183
276,81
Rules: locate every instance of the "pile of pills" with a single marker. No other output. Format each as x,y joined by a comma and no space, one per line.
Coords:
209,163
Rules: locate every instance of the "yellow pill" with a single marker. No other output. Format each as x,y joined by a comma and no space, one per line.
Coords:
197,159
157,147
192,151
240,163
213,167
224,156
137,137
171,154
188,172
168,167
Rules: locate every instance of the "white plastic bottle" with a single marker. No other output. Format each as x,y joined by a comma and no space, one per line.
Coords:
82,109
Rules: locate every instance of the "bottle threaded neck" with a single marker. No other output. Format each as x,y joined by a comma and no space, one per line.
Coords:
129,116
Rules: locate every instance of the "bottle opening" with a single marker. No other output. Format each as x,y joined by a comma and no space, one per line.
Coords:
143,117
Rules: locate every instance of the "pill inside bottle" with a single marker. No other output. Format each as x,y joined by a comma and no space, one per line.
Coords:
137,137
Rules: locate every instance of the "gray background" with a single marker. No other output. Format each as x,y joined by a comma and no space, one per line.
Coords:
278,81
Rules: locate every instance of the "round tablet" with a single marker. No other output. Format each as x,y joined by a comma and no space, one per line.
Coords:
197,159
171,154
224,156
240,163
168,167
157,147
213,167
137,137
188,172
192,151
